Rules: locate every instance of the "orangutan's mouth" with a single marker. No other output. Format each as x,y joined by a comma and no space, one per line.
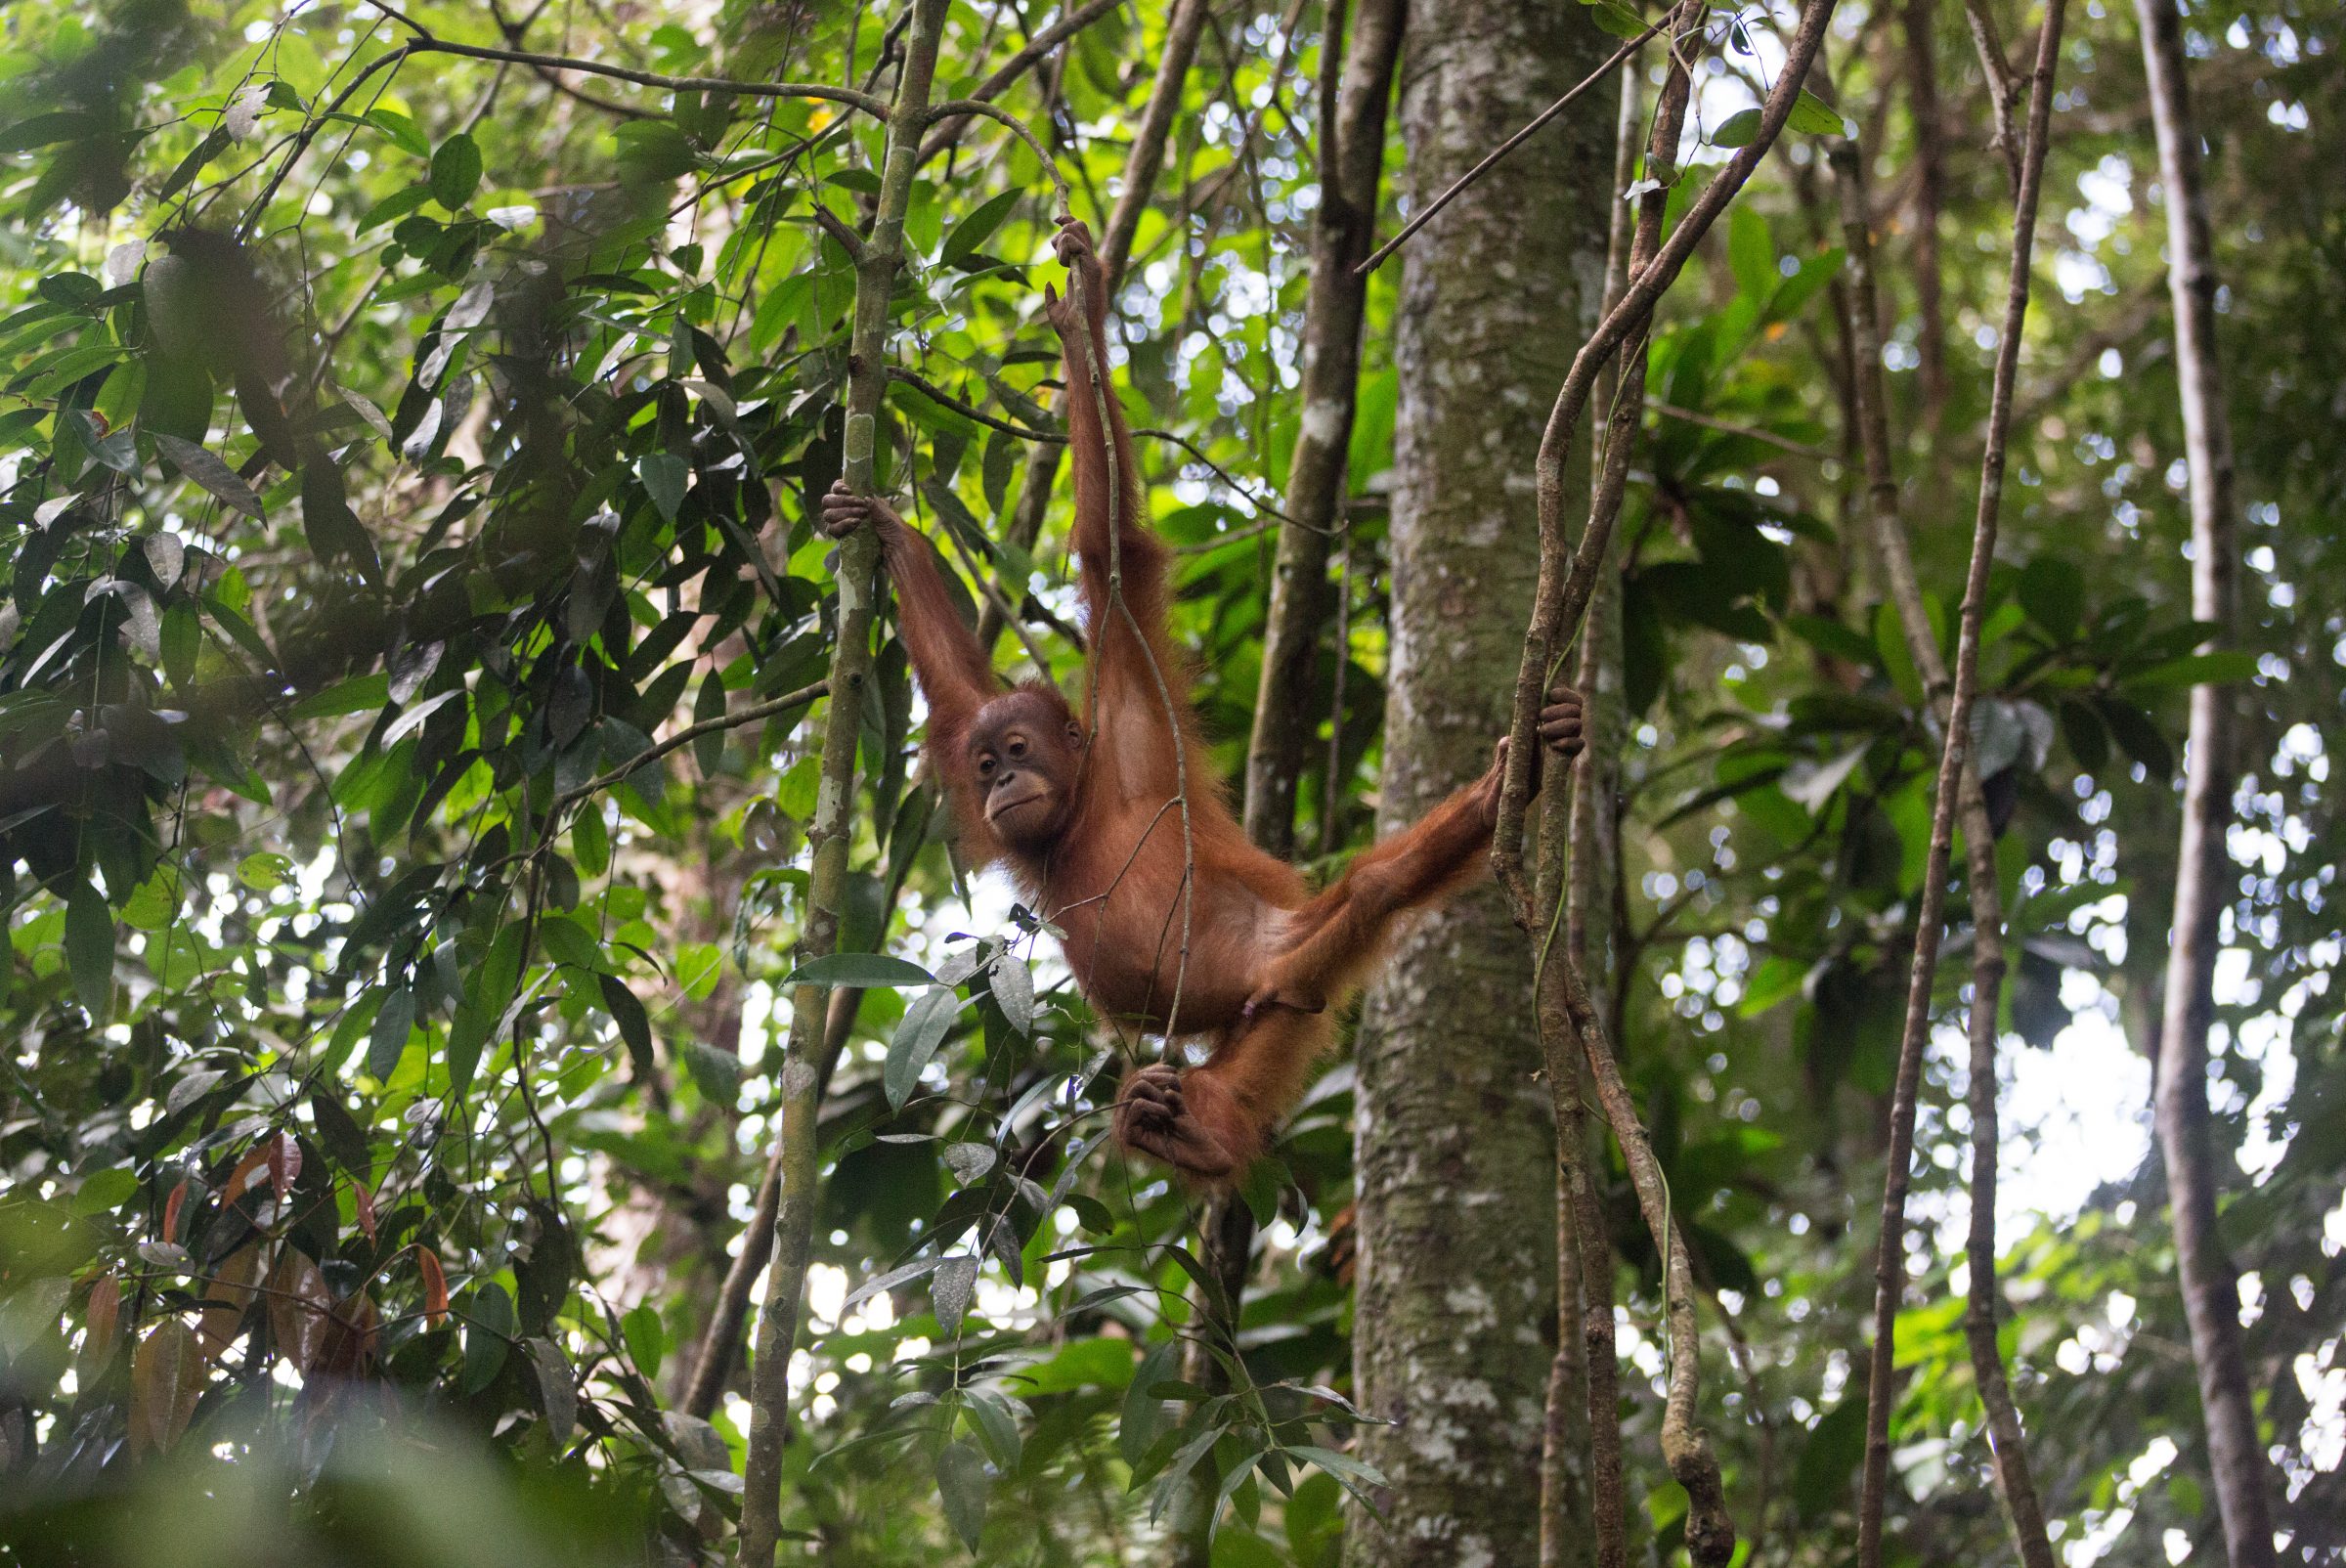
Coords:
1017,803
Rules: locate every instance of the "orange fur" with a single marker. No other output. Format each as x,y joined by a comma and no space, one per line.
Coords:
1268,964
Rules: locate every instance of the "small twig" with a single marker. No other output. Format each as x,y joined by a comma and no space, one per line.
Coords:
1035,49
1253,497
514,31
2001,90
803,697
1492,160
939,395
428,44
1956,767
831,224
1724,427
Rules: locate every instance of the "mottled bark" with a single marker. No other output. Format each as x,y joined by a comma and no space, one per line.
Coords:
2211,1282
1455,1171
1352,153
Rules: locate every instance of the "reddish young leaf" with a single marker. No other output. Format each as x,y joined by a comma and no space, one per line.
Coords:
102,1320
171,1207
166,1378
364,1202
298,1304
284,1164
248,1173
435,1286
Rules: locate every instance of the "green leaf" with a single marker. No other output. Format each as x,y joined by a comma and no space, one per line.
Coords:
1835,1448
488,1335
977,228
567,941
2220,667
398,204
264,871
635,1027
708,751
1751,254
183,640
591,840
360,694
664,474
90,948
1616,19
402,131
1013,986
2052,590
332,528
961,1487
467,1033
998,1422
1145,1418
103,1190
646,1337
558,1389
715,1073
865,971
1813,116
388,1040
456,171
47,130
923,1029
1737,130
203,469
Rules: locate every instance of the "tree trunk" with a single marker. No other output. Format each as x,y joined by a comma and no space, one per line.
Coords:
2211,1282
1454,1174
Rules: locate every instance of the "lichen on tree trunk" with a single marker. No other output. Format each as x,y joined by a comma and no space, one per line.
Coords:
1456,1165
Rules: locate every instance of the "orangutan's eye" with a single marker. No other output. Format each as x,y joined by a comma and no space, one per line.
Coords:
985,765
1018,746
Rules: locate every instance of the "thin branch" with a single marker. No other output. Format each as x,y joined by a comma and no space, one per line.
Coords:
1003,118
427,44
756,713
713,1366
1563,597
514,31
1727,428
1890,1262
2002,91
1492,160
1567,580
831,224
1148,154
831,833
2238,1466
939,395
1253,497
1589,863
1036,50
